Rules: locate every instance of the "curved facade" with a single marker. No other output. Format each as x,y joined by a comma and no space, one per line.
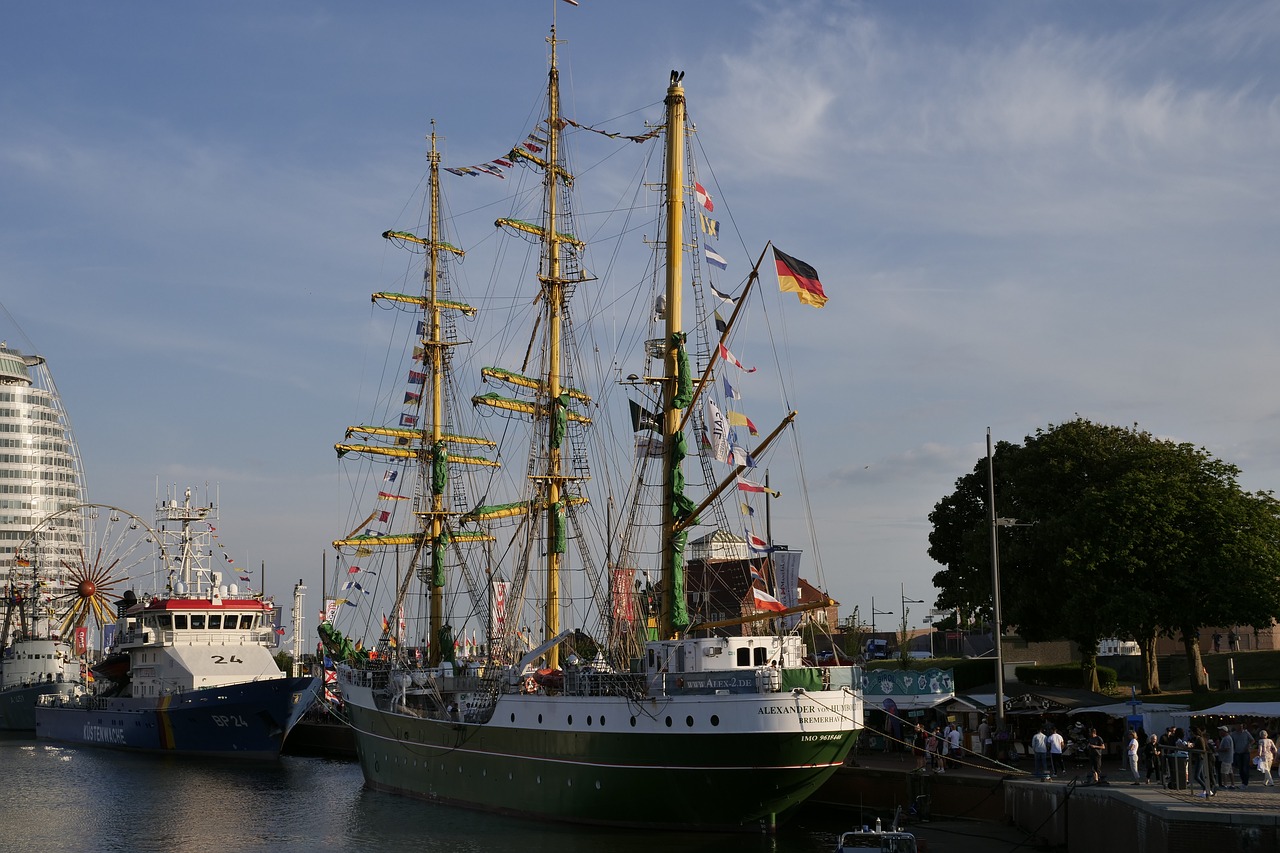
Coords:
40,468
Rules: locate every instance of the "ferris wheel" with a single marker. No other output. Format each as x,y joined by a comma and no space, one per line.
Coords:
84,558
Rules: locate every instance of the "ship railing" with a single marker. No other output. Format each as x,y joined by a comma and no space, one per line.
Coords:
592,682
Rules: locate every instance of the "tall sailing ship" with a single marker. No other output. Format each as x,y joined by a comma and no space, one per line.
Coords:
584,691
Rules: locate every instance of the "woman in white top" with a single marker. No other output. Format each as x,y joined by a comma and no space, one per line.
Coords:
1131,756
1266,756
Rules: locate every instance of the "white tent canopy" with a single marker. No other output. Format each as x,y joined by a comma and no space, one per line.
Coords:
1262,710
1156,716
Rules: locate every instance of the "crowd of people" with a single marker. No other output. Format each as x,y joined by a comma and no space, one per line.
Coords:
1226,758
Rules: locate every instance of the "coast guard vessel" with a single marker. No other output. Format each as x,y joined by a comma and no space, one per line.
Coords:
190,669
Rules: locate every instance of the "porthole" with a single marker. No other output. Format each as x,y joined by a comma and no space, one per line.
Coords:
688,721
588,719
602,719
668,722
571,719
513,718
715,719
539,718
633,722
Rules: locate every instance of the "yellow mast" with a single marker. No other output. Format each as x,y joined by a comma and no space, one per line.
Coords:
672,416
554,288
434,345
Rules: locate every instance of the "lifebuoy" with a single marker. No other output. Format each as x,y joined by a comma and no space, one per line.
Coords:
530,686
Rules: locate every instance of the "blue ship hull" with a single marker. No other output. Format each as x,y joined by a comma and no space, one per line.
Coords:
247,720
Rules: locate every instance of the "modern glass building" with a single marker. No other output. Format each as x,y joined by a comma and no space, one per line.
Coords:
40,468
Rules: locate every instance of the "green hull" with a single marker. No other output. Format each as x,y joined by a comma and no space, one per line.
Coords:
603,774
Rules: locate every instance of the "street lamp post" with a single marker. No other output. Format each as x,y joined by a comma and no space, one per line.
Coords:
997,631
905,602
875,613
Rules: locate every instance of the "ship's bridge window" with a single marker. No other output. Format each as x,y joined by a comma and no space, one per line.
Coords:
761,656
165,620
246,621
229,621
180,621
215,621
197,621
744,656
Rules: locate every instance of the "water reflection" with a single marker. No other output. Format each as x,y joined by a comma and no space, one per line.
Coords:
62,798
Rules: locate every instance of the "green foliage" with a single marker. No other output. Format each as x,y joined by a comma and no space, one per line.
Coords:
1063,675
284,660
1131,536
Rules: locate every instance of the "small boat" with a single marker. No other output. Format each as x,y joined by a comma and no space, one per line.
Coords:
34,661
190,669
32,666
891,840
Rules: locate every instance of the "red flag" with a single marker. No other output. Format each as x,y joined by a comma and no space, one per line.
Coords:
729,357
703,197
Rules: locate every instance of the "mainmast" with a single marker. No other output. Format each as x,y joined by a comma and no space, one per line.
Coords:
671,545
433,346
554,286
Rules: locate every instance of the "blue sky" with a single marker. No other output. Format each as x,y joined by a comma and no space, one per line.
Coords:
1021,213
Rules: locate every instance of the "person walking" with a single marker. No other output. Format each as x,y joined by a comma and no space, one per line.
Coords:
1040,754
1131,756
1242,741
1056,744
1226,754
1266,756
1096,746
1151,757
1200,769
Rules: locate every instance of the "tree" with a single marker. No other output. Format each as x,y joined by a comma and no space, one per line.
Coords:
1133,536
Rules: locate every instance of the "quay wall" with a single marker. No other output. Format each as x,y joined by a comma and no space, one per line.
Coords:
1089,819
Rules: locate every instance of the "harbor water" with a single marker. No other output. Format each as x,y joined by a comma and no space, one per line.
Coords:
85,799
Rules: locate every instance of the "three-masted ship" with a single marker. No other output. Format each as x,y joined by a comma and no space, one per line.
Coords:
646,722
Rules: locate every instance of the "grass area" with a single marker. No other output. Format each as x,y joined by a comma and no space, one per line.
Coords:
1258,672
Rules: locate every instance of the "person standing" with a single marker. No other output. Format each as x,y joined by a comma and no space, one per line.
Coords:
1226,759
1131,756
984,738
954,739
1151,755
918,739
933,748
1217,641
1040,754
1241,741
1096,747
1056,765
1266,756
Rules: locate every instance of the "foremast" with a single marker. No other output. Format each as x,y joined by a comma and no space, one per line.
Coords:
427,445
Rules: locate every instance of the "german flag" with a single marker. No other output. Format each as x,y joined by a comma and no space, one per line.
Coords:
795,276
